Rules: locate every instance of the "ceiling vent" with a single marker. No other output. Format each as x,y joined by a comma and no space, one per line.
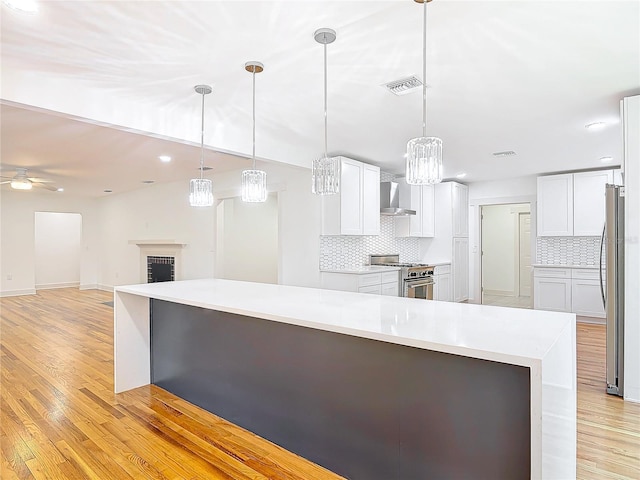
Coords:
404,85
507,153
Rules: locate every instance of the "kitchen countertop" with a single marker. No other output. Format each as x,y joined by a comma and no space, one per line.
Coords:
540,340
540,265
362,270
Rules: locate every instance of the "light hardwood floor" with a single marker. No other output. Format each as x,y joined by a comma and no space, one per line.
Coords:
59,417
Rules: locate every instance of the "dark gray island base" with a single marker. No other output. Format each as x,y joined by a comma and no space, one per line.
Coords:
363,408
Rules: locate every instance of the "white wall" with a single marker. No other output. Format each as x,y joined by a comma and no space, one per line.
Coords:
17,237
58,245
632,250
496,192
162,212
247,240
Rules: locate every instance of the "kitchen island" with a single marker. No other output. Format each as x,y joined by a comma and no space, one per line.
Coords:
368,386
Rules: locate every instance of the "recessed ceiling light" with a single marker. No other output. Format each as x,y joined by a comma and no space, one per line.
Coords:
60,189
594,127
165,158
405,155
25,6
461,175
148,182
107,190
606,159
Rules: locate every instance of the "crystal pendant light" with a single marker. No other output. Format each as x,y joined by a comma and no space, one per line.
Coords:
201,189
325,171
254,182
424,154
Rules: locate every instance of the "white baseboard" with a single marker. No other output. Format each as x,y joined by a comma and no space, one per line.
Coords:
17,293
499,293
594,320
89,286
106,288
52,286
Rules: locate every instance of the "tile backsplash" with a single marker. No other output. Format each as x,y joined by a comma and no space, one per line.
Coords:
568,251
352,251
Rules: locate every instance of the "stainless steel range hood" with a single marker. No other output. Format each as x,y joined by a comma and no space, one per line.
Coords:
390,201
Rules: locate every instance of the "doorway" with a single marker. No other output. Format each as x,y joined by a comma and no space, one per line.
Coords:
247,240
58,245
506,255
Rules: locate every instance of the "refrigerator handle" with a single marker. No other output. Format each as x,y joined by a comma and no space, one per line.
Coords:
604,301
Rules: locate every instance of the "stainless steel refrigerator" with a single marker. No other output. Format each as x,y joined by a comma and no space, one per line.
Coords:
613,298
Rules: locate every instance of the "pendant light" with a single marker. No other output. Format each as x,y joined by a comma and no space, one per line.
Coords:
254,182
424,154
325,171
201,189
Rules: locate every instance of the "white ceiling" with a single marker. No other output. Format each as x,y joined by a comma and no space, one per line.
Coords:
503,75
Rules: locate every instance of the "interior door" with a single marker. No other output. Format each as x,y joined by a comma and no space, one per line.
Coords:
524,243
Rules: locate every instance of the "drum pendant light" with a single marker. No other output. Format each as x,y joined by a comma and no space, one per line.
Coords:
201,189
254,182
325,171
424,154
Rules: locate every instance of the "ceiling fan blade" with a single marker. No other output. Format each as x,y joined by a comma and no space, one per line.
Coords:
40,180
45,186
5,182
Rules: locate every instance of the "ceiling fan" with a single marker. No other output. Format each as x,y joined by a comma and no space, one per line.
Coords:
22,182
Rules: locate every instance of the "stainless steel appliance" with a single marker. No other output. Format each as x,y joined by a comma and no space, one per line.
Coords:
416,279
390,201
613,299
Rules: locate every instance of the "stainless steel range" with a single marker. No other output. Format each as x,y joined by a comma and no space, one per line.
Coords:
416,279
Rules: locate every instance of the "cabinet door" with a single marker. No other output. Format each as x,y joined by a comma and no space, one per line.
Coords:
427,211
586,298
555,206
415,221
552,294
351,197
460,269
589,201
370,289
371,200
460,210
442,288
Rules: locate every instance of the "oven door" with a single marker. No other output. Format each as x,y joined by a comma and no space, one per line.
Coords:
419,288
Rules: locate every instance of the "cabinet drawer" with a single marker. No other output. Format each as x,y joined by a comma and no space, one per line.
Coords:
587,273
552,272
388,277
389,289
370,289
442,269
369,279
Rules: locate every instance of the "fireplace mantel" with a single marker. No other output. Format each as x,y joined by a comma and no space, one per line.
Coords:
158,243
159,248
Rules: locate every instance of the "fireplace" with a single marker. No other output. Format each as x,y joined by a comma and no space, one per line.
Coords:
161,269
160,260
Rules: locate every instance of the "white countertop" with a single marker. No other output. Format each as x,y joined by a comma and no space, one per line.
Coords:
542,265
362,270
515,336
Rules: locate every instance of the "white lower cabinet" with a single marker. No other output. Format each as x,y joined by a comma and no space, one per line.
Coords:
381,283
568,290
460,269
442,285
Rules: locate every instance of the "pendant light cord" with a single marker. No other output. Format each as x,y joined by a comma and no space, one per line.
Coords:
326,155
424,70
202,140
254,116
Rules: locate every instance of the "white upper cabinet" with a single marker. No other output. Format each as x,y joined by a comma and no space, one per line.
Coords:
356,209
572,204
460,210
589,201
419,198
371,200
555,206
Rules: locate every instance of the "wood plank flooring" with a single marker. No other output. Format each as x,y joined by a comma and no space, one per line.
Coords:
59,417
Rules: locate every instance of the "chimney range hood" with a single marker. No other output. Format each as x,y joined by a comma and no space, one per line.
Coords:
390,201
